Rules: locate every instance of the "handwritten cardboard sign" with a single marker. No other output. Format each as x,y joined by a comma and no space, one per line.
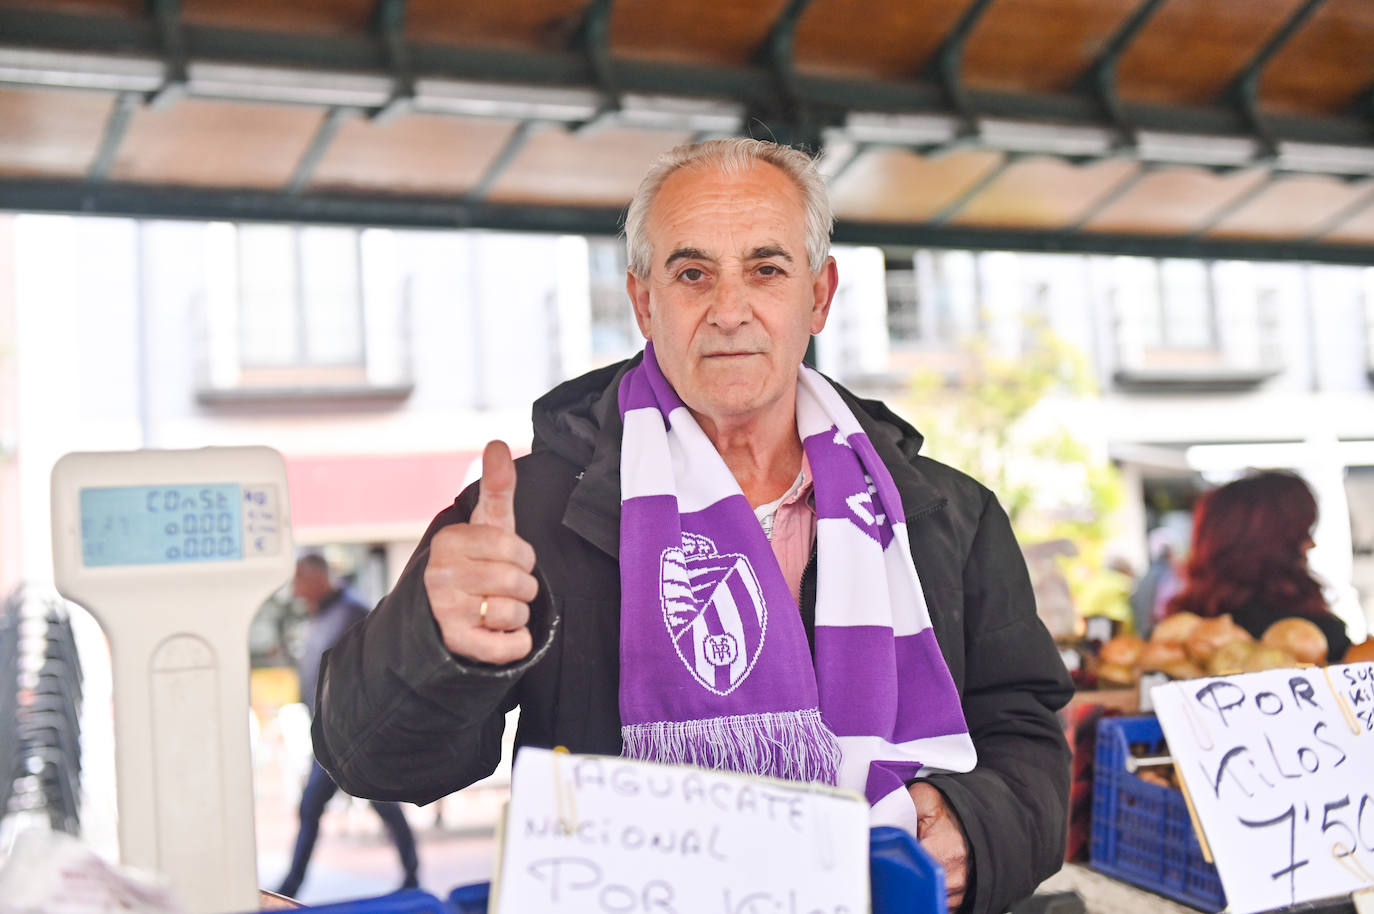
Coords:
606,835
1280,769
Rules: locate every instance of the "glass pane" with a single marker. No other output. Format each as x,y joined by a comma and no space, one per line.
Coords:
267,296
331,297
614,334
1187,304
1136,300
903,301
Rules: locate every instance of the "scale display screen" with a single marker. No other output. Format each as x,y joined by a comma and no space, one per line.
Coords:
160,525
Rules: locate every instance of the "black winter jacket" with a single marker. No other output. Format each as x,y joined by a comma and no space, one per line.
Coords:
401,718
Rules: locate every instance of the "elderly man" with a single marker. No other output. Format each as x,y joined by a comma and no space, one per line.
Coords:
714,555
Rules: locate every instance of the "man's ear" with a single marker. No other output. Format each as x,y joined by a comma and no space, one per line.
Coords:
823,293
638,290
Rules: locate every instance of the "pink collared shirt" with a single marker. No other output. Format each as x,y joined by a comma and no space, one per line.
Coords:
790,523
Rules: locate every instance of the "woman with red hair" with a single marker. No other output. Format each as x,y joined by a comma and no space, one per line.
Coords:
1249,558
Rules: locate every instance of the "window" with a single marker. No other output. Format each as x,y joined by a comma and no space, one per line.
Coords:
1184,310
931,298
1194,323
903,301
316,310
1367,293
614,332
300,297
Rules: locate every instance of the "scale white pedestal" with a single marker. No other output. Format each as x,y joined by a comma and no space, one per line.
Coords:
174,552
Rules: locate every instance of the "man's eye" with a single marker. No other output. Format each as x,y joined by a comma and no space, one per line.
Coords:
692,274
769,269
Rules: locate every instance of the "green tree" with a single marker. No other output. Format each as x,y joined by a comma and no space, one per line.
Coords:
1022,426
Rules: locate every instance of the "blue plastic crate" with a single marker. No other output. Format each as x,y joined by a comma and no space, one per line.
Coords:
1141,832
904,879
409,901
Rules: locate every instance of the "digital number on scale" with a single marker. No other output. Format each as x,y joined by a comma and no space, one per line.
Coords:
154,525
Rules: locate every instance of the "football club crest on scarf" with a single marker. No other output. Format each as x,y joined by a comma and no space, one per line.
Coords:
714,610
869,707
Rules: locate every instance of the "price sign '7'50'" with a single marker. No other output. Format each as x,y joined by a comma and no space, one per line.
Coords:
1280,768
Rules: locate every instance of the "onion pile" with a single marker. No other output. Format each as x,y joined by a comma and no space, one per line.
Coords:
1186,646
1299,637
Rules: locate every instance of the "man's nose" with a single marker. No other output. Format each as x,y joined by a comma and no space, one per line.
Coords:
730,305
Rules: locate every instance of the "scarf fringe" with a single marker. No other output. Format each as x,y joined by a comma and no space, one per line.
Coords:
795,745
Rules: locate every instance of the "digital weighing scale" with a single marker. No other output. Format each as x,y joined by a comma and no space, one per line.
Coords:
173,552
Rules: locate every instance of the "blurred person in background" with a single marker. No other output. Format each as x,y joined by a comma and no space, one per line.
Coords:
1159,584
332,610
1249,558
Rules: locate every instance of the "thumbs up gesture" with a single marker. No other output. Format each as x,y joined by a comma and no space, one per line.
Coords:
479,576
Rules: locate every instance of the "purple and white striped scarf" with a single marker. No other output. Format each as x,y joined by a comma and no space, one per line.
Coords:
715,669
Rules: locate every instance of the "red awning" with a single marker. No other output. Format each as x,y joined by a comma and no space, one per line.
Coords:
374,490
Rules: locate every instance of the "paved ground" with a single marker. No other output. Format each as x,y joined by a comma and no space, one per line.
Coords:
354,857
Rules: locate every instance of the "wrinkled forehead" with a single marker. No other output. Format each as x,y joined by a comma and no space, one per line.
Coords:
726,211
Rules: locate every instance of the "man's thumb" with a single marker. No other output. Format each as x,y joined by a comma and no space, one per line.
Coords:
496,492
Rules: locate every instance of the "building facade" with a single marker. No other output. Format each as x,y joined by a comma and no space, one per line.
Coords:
379,362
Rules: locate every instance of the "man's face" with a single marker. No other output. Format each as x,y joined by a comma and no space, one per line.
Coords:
730,302
310,585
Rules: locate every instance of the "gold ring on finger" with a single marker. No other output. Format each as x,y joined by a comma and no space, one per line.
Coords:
482,614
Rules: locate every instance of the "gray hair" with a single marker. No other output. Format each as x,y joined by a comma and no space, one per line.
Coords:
732,157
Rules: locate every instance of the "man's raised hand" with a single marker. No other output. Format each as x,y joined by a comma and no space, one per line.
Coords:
479,576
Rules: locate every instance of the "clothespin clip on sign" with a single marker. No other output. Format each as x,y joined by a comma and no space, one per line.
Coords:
1363,899
1349,715
564,797
1345,856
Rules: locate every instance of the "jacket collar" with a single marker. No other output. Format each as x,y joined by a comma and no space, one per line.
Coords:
593,510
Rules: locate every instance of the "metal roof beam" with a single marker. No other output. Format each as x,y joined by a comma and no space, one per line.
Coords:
514,145
947,64
166,14
141,201
1234,205
973,191
115,129
389,25
1357,206
594,42
838,158
1111,196
778,53
1101,75
1244,91
319,145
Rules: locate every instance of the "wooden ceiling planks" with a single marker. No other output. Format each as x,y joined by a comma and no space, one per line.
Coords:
1191,50
49,132
1040,45
328,17
884,40
215,144
1328,66
1174,201
413,154
528,24
892,185
1291,207
1359,228
126,9
598,168
727,32
1043,193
